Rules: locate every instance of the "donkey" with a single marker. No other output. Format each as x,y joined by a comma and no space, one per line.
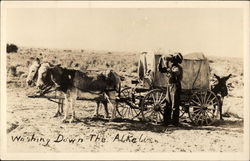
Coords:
220,89
32,78
32,74
69,81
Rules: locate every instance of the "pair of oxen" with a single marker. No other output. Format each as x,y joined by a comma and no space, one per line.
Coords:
70,81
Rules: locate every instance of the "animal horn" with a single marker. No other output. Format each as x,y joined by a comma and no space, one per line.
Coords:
228,76
216,76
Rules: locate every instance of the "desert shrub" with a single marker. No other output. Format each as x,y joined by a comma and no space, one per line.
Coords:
134,70
53,61
107,65
84,67
135,63
28,63
11,48
20,74
77,65
70,63
12,71
94,61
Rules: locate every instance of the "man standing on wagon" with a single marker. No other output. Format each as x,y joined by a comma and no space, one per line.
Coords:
171,66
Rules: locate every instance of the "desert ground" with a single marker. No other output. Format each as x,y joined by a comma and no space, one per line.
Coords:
31,126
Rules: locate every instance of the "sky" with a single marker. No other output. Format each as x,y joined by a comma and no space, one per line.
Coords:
214,31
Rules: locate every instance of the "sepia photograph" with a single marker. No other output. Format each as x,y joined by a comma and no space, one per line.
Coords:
125,80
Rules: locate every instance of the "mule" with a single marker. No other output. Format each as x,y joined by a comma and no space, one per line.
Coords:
220,90
32,78
69,81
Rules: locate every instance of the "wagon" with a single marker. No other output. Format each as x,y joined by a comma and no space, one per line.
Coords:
146,99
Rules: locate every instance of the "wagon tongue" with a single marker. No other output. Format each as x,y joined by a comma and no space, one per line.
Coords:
43,91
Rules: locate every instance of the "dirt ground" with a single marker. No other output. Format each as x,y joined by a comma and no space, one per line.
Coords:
32,128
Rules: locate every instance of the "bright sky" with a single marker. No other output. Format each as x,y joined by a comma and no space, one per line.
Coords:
212,31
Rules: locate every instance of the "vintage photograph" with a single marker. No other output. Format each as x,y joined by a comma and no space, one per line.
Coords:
91,79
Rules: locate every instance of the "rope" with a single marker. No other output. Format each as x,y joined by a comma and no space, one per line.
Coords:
196,75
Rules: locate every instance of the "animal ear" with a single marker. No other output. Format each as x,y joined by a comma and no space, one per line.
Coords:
217,77
38,60
227,77
51,65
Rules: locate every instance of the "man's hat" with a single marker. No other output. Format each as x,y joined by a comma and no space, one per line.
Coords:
178,57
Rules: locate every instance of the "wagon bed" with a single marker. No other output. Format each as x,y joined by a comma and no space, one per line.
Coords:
196,98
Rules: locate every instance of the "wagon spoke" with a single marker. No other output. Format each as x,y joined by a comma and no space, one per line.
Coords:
153,98
198,98
129,110
198,109
195,115
204,99
211,100
152,113
148,106
199,116
160,97
203,117
208,117
208,97
126,109
162,100
123,110
211,113
134,113
197,103
156,96
159,117
148,111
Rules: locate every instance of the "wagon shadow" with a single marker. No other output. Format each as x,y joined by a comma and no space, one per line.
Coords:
230,123
136,125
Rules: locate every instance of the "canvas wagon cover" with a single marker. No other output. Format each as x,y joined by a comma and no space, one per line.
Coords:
196,71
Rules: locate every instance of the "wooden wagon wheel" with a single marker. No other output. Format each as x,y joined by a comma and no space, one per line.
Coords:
153,106
204,108
125,106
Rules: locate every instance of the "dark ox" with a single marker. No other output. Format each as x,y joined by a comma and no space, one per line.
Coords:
69,81
220,89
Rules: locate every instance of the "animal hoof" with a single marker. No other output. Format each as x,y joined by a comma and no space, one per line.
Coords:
57,115
108,117
64,121
72,120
